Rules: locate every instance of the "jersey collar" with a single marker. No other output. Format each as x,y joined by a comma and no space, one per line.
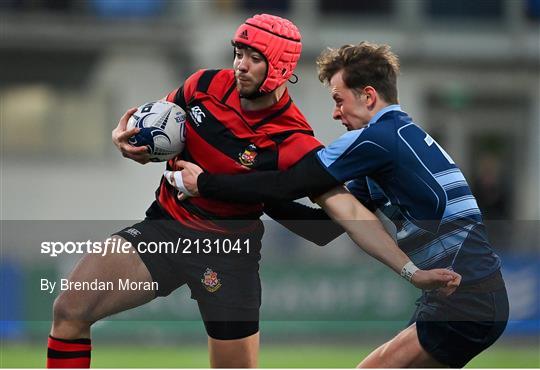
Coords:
379,114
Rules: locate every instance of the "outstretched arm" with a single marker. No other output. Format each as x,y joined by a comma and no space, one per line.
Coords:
310,223
353,155
369,234
306,178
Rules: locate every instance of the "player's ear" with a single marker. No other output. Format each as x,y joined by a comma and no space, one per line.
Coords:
371,96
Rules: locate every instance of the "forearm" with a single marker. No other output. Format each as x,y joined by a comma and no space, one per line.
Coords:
250,188
306,178
310,223
368,233
363,227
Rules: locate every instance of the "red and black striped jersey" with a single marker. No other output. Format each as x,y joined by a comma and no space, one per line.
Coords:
222,138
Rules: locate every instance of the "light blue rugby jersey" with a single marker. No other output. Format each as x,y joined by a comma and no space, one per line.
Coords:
397,167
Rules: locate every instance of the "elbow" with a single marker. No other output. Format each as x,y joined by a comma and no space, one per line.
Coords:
321,243
323,240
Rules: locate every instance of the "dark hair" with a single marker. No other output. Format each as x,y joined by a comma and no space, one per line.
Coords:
363,65
239,45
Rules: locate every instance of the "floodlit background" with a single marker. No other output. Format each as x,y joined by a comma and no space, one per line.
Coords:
69,69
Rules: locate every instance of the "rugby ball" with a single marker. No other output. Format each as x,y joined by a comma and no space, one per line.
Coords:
162,129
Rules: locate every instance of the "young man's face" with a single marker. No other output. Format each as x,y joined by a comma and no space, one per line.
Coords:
249,70
351,106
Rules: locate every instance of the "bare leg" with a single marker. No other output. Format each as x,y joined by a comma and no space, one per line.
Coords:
235,353
403,351
75,311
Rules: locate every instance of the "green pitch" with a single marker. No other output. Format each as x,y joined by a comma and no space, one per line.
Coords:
271,356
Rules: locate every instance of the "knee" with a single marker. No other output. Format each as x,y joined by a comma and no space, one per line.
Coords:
69,309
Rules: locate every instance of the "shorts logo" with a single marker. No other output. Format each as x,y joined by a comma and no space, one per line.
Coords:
211,281
133,232
248,157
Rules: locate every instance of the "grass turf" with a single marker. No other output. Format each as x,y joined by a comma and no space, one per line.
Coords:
271,356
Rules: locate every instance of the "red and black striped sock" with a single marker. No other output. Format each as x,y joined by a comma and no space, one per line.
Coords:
68,353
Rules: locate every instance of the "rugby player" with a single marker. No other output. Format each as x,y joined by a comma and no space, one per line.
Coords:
393,165
238,120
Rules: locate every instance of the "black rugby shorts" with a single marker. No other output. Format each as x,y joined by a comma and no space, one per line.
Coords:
221,270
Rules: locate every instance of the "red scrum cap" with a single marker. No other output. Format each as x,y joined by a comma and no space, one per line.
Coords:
276,38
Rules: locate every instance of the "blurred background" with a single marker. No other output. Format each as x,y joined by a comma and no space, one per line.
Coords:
70,68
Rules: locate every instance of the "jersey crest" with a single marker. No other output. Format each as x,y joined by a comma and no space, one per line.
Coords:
248,157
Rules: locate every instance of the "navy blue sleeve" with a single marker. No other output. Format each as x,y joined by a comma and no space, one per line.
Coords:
357,154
